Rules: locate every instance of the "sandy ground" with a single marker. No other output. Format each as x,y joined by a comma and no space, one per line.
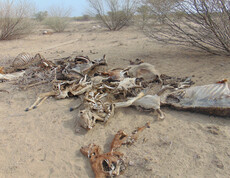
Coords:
44,141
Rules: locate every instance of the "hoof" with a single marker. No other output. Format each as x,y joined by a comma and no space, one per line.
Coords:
71,109
27,109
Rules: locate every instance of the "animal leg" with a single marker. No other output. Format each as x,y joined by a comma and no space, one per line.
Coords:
161,115
129,102
42,97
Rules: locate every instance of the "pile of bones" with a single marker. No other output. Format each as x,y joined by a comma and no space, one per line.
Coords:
102,90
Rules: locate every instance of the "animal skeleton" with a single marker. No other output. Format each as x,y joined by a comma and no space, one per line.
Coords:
62,90
25,60
97,108
111,163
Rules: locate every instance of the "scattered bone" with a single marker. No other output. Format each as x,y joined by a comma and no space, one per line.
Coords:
62,89
111,163
13,76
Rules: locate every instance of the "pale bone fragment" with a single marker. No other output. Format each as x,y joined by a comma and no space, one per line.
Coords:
87,118
97,108
60,93
127,83
12,76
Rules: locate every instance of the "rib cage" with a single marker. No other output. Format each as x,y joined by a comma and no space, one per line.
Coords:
208,95
22,60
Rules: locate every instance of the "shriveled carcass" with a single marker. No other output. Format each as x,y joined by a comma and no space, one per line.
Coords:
80,66
213,99
116,74
97,107
127,85
111,163
145,71
144,102
63,89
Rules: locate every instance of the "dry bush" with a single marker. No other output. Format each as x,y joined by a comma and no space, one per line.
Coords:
15,19
114,14
203,24
82,18
58,18
41,15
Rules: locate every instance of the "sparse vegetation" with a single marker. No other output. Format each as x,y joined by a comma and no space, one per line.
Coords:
203,24
82,18
41,15
114,14
58,18
15,19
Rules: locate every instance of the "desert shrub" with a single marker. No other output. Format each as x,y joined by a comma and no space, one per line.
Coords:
143,15
58,18
41,15
203,24
15,19
114,14
82,18
57,24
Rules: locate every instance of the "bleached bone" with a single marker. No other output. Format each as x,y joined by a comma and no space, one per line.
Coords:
97,108
87,118
127,83
60,93
12,76
129,102
213,99
144,70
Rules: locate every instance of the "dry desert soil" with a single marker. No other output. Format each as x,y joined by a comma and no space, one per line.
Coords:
45,142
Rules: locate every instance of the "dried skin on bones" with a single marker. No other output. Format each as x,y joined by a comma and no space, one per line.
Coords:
111,163
213,99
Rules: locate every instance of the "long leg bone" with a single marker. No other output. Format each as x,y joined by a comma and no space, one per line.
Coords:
41,98
129,102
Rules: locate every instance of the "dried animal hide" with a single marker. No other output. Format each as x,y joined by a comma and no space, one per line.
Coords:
111,163
81,66
145,71
115,74
176,82
213,99
2,70
147,102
